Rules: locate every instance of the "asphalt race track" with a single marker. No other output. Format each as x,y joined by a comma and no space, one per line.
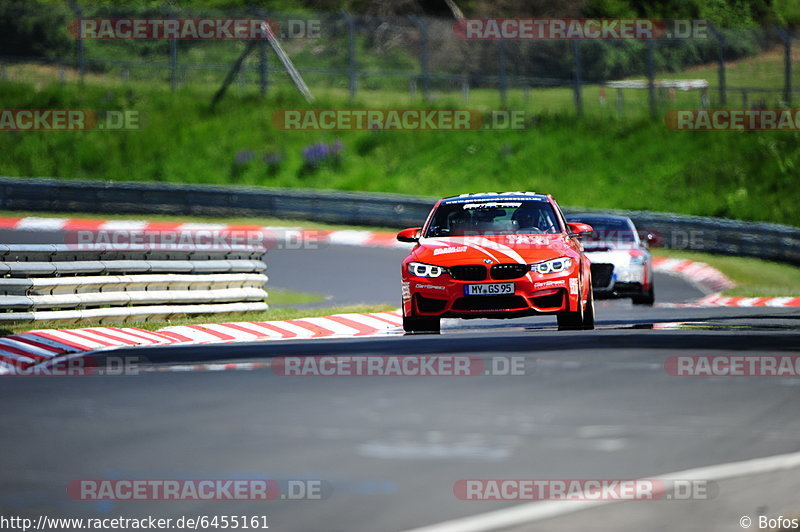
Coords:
388,450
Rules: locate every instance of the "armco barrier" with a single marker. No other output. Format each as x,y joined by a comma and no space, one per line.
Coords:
67,195
67,283
714,235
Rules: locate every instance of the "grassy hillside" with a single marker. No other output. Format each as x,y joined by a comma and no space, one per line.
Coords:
599,161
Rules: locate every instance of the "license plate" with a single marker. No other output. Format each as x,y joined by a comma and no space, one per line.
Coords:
488,289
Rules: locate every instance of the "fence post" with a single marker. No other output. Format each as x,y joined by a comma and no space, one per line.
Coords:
786,37
173,64
721,55
788,70
576,52
81,59
501,53
173,58
651,77
423,55
263,59
352,73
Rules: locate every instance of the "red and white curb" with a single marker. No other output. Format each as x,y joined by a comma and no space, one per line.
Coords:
709,279
717,300
19,352
712,282
40,346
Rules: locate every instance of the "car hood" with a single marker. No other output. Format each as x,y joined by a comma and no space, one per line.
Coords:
524,249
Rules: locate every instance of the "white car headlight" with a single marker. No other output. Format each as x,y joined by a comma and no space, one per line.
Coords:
421,269
637,257
552,266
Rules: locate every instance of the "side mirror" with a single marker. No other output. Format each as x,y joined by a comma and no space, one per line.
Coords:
576,229
652,239
409,235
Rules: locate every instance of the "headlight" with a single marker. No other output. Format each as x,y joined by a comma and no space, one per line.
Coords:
637,257
425,270
552,266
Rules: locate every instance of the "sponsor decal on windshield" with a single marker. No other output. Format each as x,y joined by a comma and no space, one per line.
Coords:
527,240
492,205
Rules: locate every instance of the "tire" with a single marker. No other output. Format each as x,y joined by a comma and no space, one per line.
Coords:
580,319
570,321
645,298
421,325
588,313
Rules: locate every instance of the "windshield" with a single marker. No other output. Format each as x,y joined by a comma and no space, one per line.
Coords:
493,217
607,230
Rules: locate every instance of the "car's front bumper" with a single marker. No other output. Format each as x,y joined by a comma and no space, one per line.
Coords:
533,294
619,279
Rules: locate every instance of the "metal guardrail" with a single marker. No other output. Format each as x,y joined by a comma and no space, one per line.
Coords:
775,242
714,235
66,195
71,283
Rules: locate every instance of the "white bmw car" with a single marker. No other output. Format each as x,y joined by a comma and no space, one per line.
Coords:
621,263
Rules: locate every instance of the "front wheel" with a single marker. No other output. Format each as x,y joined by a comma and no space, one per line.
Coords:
583,318
588,313
645,298
421,325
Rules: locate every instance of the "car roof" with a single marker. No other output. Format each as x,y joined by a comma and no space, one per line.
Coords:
598,217
495,196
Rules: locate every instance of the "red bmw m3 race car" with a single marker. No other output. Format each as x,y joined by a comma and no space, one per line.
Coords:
496,255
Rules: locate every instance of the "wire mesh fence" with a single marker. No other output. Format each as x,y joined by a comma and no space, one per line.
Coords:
397,60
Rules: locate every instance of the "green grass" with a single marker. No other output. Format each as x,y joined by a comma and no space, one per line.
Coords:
268,315
753,277
602,160
282,297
